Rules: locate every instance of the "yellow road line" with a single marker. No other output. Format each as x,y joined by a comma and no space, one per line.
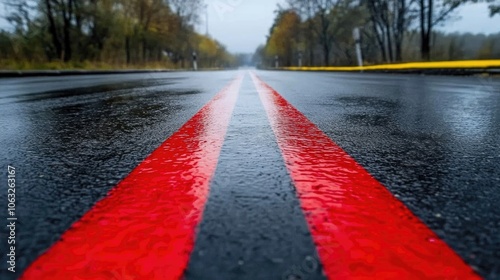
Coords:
462,64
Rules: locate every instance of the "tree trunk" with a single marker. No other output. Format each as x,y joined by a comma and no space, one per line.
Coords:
425,29
80,49
67,43
400,29
67,16
127,49
378,29
389,43
53,30
326,50
422,28
144,51
380,41
325,42
429,30
311,43
426,49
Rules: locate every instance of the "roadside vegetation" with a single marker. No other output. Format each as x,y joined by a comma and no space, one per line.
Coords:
320,33
107,34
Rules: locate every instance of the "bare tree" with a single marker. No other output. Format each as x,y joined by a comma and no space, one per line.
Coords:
494,7
19,14
188,10
390,20
317,12
53,29
433,13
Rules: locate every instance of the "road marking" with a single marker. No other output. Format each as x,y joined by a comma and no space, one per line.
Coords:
145,227
360,229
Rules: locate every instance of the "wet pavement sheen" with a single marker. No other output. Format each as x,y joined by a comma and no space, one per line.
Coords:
70,150
253,227
433,141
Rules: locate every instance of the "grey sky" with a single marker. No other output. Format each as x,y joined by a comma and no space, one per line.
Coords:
242,25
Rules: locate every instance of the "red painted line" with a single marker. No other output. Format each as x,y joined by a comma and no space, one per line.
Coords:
145,227
360,229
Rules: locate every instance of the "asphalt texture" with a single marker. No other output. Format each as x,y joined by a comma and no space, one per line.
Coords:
73,139
253,226
433,141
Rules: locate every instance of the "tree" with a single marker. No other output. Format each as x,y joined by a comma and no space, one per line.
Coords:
431,14
283,39
188,10
307,12
317,15
344,18
390,21
118,32
494,7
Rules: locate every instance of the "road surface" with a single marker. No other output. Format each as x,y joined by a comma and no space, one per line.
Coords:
245,157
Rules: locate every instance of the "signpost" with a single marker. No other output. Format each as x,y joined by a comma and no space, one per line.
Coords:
357,38
195,62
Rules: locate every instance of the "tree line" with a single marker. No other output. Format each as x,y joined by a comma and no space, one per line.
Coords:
112,33
320,32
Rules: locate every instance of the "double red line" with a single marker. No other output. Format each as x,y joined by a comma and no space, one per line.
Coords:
360,229
145,228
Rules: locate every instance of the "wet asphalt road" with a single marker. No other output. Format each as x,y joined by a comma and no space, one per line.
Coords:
433,141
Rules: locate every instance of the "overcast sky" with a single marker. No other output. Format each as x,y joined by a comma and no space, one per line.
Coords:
242,25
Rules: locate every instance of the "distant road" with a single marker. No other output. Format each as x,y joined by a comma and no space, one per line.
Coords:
227,193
